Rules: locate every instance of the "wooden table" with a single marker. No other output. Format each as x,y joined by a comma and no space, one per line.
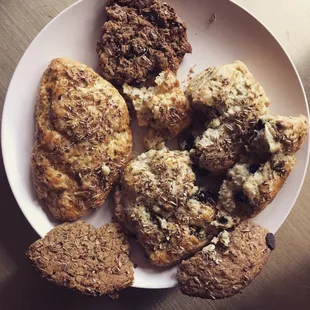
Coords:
283,284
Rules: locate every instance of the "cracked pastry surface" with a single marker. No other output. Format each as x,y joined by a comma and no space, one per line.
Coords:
249,189
163,108
279,134
225,268
85,259
158,202
83,139
141,39
232,100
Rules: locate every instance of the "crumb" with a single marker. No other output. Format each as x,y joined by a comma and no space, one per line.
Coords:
212,18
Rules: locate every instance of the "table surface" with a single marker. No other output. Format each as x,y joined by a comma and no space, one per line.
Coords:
285,281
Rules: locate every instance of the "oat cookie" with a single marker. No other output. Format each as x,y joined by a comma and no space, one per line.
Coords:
159,202
249,189
226,266
139,40
88,260
163,108
279,134
83,139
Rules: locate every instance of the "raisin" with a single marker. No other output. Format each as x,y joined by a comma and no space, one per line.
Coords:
242,198
260,125
271,241
253,168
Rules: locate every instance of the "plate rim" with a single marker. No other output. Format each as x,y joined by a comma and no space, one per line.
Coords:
5,154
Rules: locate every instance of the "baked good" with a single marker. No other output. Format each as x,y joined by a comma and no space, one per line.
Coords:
163,108
88,260
216,149
83,139
278,134
225,267
249,189
139,40
232,101
229,90
158,202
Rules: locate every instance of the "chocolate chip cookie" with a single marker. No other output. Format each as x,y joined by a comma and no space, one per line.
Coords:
226,266
158,202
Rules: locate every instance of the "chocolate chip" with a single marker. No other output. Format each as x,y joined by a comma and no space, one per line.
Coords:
260,125
253,168
204,196
223,220
271,241
189,143
242,198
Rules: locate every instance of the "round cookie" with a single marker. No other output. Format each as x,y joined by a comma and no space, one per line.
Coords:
158,202
85,259
83,139
224,269
139,40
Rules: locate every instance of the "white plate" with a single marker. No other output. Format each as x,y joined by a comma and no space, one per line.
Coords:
234,34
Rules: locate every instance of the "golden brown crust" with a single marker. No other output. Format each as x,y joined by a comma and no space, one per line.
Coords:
83,139
249,189
88,260
158,202
218,271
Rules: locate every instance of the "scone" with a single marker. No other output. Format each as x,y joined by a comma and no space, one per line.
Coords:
279,134
232,101
139,40
88,260
216,150
225,267
249,189
83,139
229,90
163,108
158,202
